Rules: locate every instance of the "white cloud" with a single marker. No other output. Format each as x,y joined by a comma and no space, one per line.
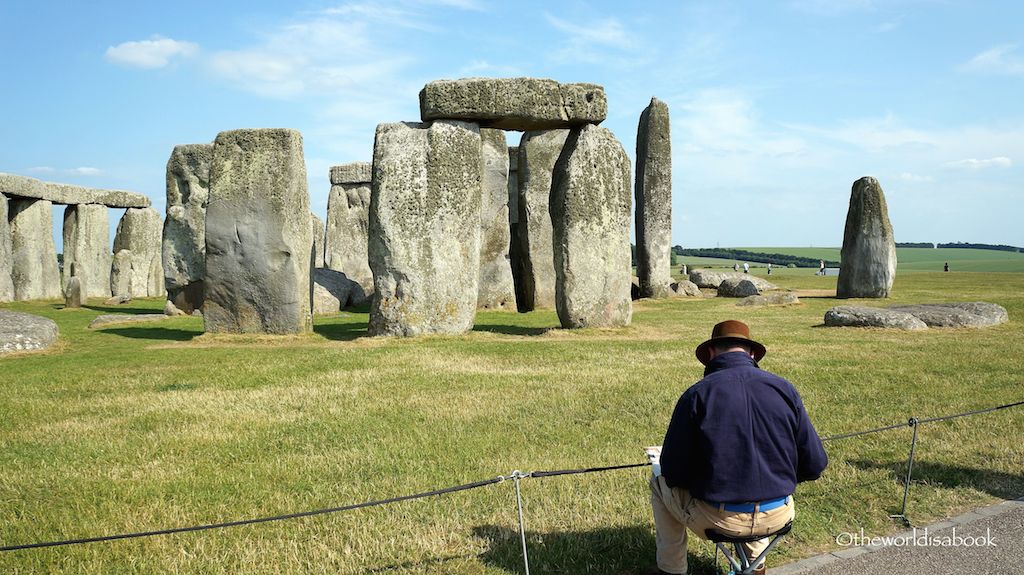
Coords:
84,171
724,121
1001,60
976,164
607,32
149,54
41,170
485,68
916,178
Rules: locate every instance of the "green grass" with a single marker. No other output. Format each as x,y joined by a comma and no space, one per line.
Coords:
910,259
145,426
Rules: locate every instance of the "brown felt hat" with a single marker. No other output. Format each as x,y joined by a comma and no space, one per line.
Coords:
729,331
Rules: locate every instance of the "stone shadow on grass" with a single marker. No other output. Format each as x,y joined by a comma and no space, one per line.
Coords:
996,483
120,309
511,329
612,550
341,331
158,333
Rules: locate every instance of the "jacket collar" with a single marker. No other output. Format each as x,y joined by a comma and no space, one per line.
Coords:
727,360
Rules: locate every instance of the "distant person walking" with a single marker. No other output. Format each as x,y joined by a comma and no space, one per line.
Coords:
684,269
821,267
769,268
746,268
735,267
945,267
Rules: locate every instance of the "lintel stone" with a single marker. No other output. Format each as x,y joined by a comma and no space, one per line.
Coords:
25,187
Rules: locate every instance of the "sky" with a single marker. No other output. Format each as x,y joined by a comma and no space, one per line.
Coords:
776,107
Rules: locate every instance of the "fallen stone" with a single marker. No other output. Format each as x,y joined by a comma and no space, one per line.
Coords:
34,271
591,215
172,310
654,201
258,235
6,257
184,235
860,316
424,235
531,253
705,278
770,298
684,288
139,232
25,187
318,240
737,287
514,103
115,318
87,248
869,248
495,289
73,293
348,208
333,292
971,314
121,275
25,332
118,300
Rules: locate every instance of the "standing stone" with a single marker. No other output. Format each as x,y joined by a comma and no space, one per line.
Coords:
73,292
496,290
258,235
532,258
139,232
424,227
318,240
34,270
87,248
513,185
590,215
869,247
6,260
184,238
654,201
348,208
121,275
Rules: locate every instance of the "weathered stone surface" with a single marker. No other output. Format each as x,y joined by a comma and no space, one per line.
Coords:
514,103
139,232
119,300
590,215
533,269
683,288
869,247
424,232
495,287
654,201
115,318
34,270
348,208
73,293
25,187
25,332
6,257
184,237
861,316
121,274
333,292
258,236
352,173
737,287
513,186
969,314
711,279
318,239
170,309
770,298
87,248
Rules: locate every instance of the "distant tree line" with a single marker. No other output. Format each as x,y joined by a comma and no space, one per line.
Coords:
999,247
744,255
928,245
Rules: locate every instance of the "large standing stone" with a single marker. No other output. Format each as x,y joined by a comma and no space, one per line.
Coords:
514,103
654,201
139,232
6,261
73,293
496,290
424,227
34,270
258,235
348,208
318,240
87,248
868,265
184,238
121,275
533,269
590,216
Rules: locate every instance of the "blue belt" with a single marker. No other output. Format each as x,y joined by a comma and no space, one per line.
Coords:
749,507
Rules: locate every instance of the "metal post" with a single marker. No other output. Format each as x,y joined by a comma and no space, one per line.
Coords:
516,475
910,469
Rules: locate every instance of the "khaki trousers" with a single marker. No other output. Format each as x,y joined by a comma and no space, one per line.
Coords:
675,511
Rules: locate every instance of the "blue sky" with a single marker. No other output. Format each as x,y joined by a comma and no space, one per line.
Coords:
776,107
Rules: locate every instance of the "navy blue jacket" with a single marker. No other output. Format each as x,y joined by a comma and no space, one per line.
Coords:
740,434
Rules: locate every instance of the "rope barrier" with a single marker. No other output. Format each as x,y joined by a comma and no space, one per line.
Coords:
516,476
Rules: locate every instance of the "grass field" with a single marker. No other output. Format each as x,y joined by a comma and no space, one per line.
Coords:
146,426
910,259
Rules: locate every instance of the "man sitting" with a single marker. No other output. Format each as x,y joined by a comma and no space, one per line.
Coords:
738,443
